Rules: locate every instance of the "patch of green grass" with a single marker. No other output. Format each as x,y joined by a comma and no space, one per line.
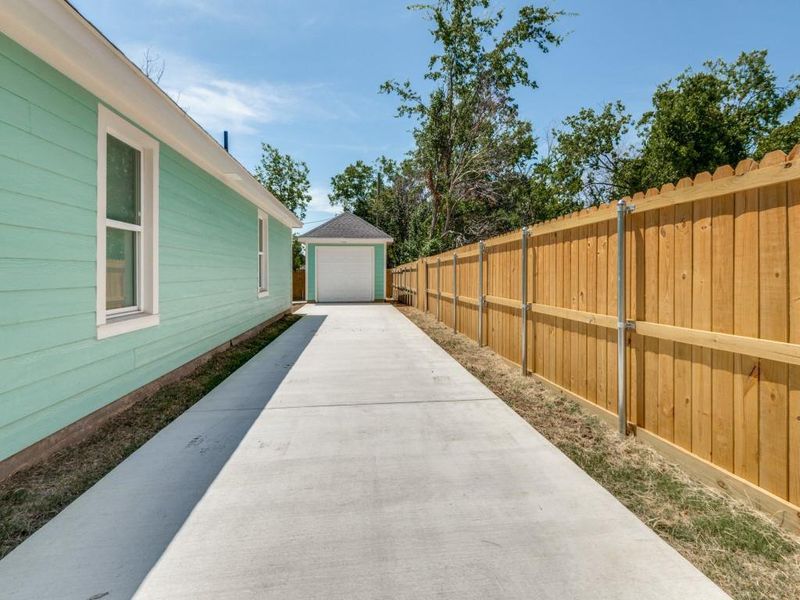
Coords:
30,498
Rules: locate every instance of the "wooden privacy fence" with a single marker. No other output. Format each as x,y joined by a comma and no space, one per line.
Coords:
298,285
710,319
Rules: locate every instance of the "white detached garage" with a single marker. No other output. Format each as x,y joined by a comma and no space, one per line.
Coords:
345,261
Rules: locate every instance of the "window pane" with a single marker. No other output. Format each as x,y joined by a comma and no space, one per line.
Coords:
261,235
120,268
122,181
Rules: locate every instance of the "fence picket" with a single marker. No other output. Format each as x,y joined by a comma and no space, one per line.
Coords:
701,319
773,294
793,229
683,318
666,315
722,321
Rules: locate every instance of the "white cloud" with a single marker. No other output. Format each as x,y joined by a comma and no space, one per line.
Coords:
321,204
235,105
240,106
319,210
215,9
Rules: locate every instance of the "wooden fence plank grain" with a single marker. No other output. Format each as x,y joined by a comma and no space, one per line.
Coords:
722,320
650,313
683,318
591,306
552,351
793,231
575,316
566,303
666,312
602,307
611,336
557,299
577,373
581,327
782,352
630,310
745,323
773,324
701,319
540,248
637,278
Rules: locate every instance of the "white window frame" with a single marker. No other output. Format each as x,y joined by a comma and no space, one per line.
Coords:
263,254
145,313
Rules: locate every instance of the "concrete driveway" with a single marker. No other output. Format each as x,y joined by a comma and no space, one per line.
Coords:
379,469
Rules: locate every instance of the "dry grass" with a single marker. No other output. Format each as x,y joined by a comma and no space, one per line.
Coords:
30,498
734,545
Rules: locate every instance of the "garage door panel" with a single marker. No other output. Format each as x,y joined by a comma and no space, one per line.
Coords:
345,273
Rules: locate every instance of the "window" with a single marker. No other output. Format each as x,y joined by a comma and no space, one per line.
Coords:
127,227
263,255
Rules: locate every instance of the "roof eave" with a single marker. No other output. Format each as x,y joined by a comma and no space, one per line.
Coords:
58,34
339,240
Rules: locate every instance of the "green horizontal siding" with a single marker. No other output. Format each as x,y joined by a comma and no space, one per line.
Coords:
380,273
53,370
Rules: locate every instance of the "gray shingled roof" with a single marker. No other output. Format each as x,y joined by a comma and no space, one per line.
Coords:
347,225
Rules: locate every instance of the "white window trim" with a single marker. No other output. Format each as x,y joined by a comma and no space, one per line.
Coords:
263,268
145,314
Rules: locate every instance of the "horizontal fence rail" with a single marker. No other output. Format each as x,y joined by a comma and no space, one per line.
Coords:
710,312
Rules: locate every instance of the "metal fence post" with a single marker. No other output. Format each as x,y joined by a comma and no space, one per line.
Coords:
622,323
524,308
455,293
438,288
480,293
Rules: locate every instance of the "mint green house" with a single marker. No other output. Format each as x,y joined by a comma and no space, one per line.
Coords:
345,261
131,242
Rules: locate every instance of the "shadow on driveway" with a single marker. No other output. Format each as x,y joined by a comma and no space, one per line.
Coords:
105,543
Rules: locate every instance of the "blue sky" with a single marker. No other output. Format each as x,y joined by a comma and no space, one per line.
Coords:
303,75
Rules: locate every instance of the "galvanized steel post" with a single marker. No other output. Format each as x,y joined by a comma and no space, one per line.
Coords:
480,293
524,308
622,324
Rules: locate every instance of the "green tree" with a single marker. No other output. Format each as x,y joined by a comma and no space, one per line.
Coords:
588,159
298,258
389,196
353,189
286,178
469,137
400,208
716,116
783,137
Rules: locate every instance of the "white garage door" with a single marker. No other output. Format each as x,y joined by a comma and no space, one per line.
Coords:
345,273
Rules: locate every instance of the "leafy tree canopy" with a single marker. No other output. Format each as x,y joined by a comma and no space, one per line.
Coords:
286,178
716,116
469,137
357,187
